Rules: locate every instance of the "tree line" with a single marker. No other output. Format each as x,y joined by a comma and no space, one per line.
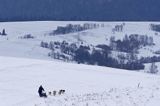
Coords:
74,28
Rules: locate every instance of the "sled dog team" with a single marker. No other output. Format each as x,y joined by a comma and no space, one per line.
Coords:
42,92
54,93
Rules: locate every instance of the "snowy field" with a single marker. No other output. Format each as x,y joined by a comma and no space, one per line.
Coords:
12,45
24,66
85,85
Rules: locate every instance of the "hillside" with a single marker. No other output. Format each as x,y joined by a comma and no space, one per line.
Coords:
47,52
85,85
135,43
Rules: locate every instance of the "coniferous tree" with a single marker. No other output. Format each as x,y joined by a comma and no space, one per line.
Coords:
153,68
4,32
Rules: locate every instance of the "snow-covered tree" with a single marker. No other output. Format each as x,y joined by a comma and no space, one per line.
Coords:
153,68
3,32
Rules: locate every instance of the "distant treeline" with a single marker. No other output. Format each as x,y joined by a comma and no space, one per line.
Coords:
75,28
100,55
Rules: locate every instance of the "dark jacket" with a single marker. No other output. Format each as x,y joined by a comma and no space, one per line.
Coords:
40,90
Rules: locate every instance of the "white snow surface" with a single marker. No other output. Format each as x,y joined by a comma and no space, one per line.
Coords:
85,85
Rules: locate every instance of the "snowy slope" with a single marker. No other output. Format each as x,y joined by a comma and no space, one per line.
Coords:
84,85
13,46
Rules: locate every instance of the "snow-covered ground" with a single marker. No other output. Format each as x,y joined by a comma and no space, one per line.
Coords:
12,45
24,66
85,85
